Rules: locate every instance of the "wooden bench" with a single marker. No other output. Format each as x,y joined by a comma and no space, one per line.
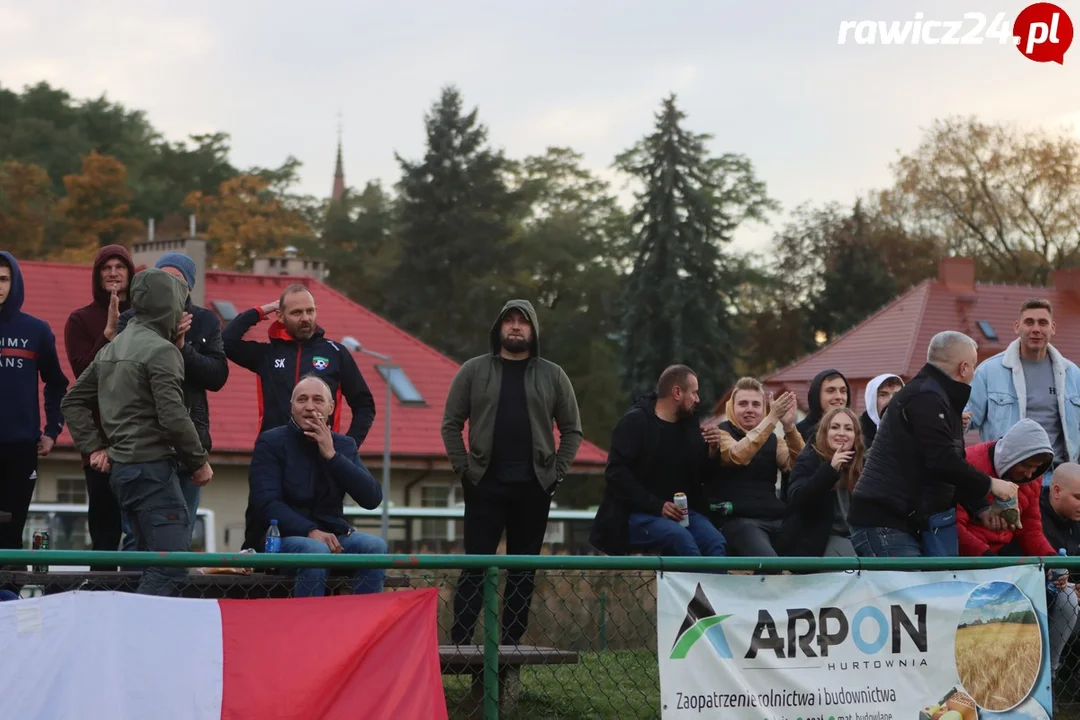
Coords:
198,585
469,660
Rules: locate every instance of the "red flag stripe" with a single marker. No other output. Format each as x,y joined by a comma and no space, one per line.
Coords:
371,656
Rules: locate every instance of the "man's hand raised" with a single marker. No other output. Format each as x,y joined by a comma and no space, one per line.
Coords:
269,308
113,318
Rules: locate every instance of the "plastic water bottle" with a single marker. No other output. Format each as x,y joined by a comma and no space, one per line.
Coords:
273,538
1055,575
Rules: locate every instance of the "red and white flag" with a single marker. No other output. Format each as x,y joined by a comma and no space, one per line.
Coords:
126,656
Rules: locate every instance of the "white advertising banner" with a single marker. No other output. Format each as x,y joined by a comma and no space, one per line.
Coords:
855,646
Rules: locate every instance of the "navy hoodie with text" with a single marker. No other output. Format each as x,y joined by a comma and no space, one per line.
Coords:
27,350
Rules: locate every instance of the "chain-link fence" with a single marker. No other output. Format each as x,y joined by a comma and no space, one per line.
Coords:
570,640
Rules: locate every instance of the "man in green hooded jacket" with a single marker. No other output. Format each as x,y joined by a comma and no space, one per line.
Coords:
510,396
135,385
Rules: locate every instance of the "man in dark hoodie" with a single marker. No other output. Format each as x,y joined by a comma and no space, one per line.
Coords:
27,351
126,411
89,329
205,369
511,467
657,450
829,389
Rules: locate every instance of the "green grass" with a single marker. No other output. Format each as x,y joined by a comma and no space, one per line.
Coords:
623,684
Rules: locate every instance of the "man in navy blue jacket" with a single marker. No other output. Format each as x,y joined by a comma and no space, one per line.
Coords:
27,350
299,475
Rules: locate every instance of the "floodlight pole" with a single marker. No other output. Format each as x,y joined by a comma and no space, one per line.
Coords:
386,442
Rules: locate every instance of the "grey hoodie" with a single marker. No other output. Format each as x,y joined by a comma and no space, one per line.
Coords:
135,383
474,396
1025,439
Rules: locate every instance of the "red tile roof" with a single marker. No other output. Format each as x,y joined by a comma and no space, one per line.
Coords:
894,339
53,290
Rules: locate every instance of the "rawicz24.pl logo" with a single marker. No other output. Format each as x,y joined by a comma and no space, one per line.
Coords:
1042,32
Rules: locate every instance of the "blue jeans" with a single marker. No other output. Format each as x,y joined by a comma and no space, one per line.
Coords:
311,582
884,542
699,539
190,492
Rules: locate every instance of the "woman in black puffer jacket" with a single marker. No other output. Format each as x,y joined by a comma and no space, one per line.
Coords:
819,491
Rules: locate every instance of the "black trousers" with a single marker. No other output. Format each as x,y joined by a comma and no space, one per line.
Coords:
102,515
521,509
18,476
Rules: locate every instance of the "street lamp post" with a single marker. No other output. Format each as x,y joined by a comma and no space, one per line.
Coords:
386,442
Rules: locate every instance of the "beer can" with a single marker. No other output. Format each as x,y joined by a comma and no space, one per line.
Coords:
680,502
724,508
41,542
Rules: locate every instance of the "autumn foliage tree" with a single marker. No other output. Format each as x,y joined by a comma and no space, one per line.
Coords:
1006,196
27,205
245,220
94,212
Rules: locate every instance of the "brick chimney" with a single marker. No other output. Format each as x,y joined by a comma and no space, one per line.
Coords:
1067,281
958,274
146,254
290,263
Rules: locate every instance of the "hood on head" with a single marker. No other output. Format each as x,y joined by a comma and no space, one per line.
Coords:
14,301
870,396
813,399
158,299
526,308
103,256
729,412
1025,439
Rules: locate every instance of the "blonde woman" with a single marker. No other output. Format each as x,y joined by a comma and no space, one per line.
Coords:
819,491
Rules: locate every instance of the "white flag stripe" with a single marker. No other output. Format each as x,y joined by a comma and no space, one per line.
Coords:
110,655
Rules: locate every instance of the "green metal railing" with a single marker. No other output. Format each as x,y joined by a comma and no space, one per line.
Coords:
520,562
604,607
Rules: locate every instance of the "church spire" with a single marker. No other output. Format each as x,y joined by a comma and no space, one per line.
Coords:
339,171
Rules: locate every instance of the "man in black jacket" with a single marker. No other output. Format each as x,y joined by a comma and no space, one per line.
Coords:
298,478
298,346
205,370
1060,506
917,469
658,450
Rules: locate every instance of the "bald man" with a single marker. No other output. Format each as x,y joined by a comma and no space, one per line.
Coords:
299,475
1060,505
904,504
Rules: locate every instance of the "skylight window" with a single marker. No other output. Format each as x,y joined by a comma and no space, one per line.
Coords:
225,309
401,385
987,330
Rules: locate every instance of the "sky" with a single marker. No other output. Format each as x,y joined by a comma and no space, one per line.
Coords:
820,121
994,601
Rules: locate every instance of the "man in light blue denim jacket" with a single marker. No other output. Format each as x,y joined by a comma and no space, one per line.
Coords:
1031,379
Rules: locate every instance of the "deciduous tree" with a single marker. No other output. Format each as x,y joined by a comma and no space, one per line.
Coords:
27,205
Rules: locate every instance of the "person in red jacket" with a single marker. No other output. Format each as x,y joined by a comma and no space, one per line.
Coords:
1022,456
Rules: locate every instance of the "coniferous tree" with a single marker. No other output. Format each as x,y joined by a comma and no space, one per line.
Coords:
856,281
679,297
457,219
